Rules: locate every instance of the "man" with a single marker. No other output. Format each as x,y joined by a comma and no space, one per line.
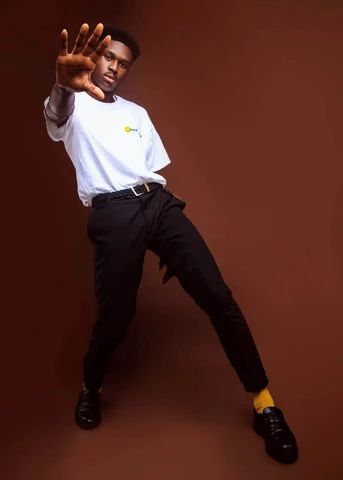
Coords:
117,152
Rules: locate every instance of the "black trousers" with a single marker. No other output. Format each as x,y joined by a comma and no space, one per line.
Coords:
121,230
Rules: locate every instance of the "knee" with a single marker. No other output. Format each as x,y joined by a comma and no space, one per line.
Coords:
228,312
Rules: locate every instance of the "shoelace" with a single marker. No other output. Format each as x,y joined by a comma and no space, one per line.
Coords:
88,399
276,423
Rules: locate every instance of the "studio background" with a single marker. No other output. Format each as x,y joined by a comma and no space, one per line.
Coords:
247,97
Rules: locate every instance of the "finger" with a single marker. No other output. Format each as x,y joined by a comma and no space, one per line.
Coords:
94,91
63,43
81,39
93,39
101,49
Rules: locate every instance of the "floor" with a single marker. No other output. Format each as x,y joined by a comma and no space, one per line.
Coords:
160,421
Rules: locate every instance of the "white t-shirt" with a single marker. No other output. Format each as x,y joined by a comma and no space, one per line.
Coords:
112,145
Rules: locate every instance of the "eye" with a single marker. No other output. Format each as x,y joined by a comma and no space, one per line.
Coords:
108,57
124,65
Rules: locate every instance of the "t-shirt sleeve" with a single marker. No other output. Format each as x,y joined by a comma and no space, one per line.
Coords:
157,156
55,132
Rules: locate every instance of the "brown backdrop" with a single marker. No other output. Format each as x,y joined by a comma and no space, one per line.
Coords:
247,97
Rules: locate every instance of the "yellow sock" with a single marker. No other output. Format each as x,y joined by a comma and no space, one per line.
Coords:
263,399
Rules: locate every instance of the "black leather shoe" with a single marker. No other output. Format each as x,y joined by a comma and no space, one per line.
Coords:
279,440
87,411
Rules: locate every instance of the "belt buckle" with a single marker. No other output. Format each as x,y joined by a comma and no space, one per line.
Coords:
139,194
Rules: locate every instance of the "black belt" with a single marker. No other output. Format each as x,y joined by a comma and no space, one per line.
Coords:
131,192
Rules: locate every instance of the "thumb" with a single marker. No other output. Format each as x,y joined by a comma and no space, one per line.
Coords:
94,91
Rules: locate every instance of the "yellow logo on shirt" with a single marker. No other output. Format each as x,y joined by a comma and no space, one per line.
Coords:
130,129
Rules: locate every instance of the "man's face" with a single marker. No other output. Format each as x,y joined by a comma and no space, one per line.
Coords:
112,66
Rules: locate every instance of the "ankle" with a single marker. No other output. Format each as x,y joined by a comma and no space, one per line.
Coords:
84,388
262,400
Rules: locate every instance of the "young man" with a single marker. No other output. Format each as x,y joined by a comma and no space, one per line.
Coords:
116,152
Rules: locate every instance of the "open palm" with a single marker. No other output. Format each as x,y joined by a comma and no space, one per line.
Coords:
73,70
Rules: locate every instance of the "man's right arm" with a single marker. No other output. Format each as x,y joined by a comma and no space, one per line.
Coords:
60,105
73,73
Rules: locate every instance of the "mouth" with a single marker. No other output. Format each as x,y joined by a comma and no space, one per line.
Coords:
110,77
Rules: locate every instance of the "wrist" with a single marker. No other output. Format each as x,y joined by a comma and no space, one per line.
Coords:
63,89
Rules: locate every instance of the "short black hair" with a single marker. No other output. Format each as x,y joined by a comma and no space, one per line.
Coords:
124,37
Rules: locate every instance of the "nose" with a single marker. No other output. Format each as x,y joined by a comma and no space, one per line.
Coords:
113,66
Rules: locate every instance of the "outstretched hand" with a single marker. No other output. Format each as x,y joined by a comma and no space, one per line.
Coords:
73,70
